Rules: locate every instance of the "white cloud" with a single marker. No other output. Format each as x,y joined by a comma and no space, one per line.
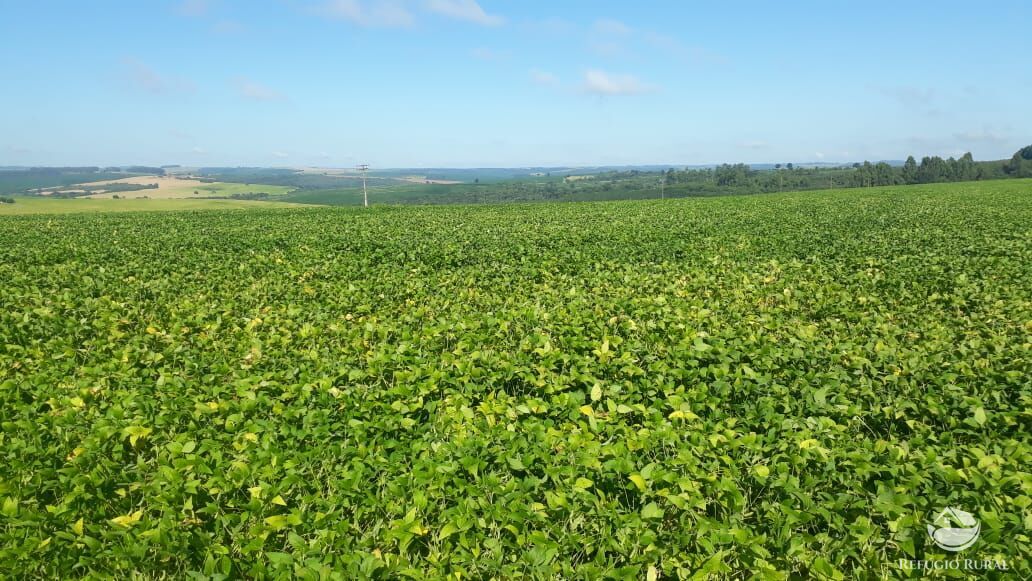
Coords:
255,91
487,54
467,10
194,7
198,150
754,144
280,154
602,83
544,78
147,79
611,27
373,13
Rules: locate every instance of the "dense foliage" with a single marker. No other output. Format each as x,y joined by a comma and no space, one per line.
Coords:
14,181
772,385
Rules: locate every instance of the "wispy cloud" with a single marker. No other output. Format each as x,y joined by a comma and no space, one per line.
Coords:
609,38
984,135
611,27
466,10
909,96
550,26
599,82
544,78
255,91
754,144
488,54
228,27
912,98
676,48
146,79
371,14
612,38
194,7
280,154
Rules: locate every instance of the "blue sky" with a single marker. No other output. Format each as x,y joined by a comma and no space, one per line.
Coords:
467,83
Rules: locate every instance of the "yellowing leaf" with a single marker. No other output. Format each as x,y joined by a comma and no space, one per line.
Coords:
807,444
586,410
761,470
583,483
276,521
682,415
127,520
77,528
596,392
279,500
638,481
135,433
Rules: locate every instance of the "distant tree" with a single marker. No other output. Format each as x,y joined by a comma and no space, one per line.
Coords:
965,169
932,169
884,175
1020,165
910,170
790,166
777,166
476,180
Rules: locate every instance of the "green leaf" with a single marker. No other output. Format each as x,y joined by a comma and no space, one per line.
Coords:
651,511
980,416
583,483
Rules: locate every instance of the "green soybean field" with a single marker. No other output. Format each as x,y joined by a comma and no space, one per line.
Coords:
783,386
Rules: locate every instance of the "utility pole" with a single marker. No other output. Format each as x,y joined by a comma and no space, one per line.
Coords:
365,193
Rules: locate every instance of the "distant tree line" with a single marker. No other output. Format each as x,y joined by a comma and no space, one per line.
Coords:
738,178
145,169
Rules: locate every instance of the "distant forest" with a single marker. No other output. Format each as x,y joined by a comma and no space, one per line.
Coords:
740,178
